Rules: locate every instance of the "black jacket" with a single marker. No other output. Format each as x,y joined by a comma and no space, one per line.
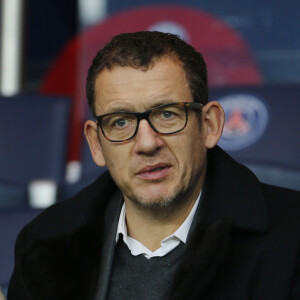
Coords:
245,242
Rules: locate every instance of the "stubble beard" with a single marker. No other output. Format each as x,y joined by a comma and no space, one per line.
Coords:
164,205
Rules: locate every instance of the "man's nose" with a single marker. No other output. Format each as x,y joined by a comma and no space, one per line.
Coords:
147,141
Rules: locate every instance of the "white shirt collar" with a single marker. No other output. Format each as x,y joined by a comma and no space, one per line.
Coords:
167,244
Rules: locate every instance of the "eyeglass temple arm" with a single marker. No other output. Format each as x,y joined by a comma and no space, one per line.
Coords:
194,105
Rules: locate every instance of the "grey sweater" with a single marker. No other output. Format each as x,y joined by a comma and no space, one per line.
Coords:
139,278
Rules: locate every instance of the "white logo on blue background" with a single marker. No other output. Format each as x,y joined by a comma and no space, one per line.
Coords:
246,118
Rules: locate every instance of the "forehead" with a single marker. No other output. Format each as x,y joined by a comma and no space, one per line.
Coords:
137,89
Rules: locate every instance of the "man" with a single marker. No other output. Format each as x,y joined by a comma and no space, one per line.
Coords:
175,217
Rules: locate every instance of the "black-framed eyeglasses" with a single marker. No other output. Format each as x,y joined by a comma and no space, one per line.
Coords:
164,119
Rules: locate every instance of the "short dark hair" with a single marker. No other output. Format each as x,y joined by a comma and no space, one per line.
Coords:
139,50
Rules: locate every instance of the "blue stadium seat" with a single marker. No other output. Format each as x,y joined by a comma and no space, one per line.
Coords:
33,134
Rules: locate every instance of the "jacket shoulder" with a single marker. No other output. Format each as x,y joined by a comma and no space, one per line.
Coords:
283,205
280,194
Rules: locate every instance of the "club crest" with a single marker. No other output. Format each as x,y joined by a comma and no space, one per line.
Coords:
246,118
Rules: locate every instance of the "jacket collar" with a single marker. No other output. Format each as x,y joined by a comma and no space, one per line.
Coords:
232,190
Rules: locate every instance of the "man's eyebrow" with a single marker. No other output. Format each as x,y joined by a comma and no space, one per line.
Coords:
120,108
162,102
125,108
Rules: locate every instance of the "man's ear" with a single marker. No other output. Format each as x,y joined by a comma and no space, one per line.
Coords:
90,131
213,119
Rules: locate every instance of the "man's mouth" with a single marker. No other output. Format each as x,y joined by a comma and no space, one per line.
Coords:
157,169
154,172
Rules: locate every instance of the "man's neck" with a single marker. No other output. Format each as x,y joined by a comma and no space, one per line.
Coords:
151,227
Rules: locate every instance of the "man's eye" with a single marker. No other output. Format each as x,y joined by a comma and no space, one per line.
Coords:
167,114
120,123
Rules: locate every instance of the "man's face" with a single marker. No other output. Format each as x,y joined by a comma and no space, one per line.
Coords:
151,169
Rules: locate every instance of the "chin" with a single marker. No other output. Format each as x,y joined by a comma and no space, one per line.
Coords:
159,198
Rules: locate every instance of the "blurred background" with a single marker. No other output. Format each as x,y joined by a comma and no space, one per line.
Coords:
252,49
